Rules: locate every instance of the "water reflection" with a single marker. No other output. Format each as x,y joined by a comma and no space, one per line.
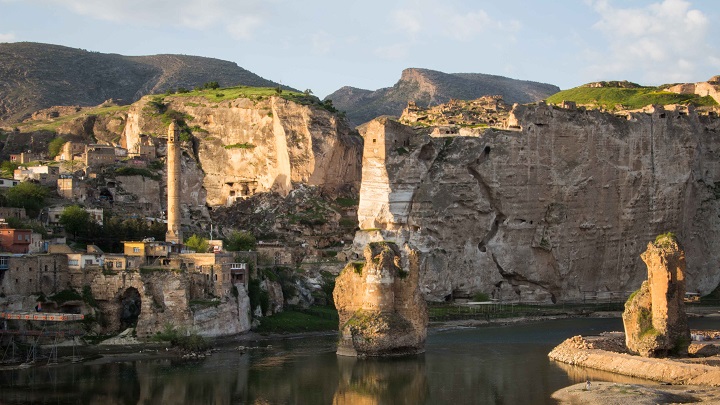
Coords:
491,365
381,381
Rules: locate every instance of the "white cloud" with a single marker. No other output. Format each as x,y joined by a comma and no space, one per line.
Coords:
240,18
7,37
660,41
431,18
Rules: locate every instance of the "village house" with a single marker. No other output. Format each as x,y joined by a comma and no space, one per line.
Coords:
8,183
71,188
25,157
71,151
144,149
45,175
54,214
14,240
98,155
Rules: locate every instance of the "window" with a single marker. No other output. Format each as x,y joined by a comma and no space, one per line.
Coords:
72,262
118,265
215,277
27,237
46,269
88,262
136,250
19,237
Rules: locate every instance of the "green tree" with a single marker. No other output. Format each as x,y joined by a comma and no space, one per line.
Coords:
240,240
8,168
197,243
54,146
75,220
28,195
211,85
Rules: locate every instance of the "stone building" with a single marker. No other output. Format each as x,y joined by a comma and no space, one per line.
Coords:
11,212
217,269
71,188
71,151
98,155
25,157
30,274
144,149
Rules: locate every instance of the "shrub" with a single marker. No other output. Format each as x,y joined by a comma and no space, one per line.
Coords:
665,239
54,147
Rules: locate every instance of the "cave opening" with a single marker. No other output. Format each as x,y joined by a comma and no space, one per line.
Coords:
131,304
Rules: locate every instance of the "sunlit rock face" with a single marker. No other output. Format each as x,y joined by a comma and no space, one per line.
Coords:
558,204
246,146
654,317
381,309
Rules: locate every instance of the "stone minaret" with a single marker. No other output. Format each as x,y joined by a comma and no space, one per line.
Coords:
173,234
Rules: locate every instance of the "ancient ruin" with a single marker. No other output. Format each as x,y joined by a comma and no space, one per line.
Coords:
654,317
382,311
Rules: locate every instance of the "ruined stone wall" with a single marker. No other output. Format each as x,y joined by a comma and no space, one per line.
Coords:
563,205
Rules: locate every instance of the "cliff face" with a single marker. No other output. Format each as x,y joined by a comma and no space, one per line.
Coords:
247,146
559,206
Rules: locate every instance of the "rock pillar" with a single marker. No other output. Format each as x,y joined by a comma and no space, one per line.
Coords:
654,318
173,234
382,311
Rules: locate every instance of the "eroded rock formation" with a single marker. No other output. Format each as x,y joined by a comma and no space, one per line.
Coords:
654,317
557,205
381,309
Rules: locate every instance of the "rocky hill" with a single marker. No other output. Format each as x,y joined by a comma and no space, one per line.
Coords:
430,87
34,76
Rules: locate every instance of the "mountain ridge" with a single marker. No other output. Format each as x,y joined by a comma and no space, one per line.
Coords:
34,76
430,87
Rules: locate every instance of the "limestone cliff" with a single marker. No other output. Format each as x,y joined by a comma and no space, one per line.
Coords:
381,309
246,146
557,205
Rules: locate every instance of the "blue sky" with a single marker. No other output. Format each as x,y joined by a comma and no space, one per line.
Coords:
324,45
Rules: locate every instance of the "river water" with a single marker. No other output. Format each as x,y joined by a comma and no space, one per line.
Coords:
486,365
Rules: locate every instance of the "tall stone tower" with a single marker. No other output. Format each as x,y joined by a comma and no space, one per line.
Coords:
173,234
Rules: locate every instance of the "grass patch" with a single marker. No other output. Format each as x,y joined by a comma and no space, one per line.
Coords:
296,320
346,202
244,145
611,97
201,304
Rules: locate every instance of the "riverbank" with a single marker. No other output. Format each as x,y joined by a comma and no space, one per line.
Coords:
605,393
686,379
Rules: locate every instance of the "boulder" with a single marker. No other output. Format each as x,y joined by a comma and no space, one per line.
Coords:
654,318
382,311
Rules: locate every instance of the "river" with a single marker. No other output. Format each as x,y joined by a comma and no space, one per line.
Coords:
486,365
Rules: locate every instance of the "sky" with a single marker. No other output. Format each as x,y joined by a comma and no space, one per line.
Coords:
323,45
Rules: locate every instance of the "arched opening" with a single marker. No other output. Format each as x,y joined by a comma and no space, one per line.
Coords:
106,195
130,305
